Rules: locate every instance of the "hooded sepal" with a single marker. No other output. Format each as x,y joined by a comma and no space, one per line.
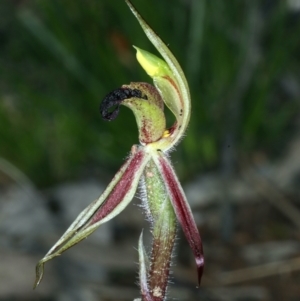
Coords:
113,200
167,76
163,80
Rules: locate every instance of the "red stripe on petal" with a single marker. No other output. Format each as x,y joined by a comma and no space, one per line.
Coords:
183,212
119,192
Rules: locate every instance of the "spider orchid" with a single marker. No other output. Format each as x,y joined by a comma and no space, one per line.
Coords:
149,165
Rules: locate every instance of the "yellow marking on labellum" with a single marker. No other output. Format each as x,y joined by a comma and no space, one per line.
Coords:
166,134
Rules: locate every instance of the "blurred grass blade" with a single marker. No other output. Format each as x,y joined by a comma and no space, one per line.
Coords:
52,44
17,175
194,47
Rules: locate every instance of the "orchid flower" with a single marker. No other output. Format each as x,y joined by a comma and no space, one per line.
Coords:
148,165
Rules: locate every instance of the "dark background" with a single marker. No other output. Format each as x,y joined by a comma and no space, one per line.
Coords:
239,161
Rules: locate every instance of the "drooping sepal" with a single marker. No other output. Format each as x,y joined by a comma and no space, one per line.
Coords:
182,210
113,200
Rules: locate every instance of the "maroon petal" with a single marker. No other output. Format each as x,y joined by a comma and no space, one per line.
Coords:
182,210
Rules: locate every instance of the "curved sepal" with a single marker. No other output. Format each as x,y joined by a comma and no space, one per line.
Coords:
114,199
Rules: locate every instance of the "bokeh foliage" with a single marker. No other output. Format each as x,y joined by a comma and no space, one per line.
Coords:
58,59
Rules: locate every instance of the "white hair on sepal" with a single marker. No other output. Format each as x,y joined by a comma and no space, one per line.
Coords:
142,195
171,149
176,242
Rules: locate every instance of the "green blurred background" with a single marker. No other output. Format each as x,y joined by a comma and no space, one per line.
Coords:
58,59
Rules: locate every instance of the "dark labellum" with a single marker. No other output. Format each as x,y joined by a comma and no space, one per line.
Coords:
110,105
